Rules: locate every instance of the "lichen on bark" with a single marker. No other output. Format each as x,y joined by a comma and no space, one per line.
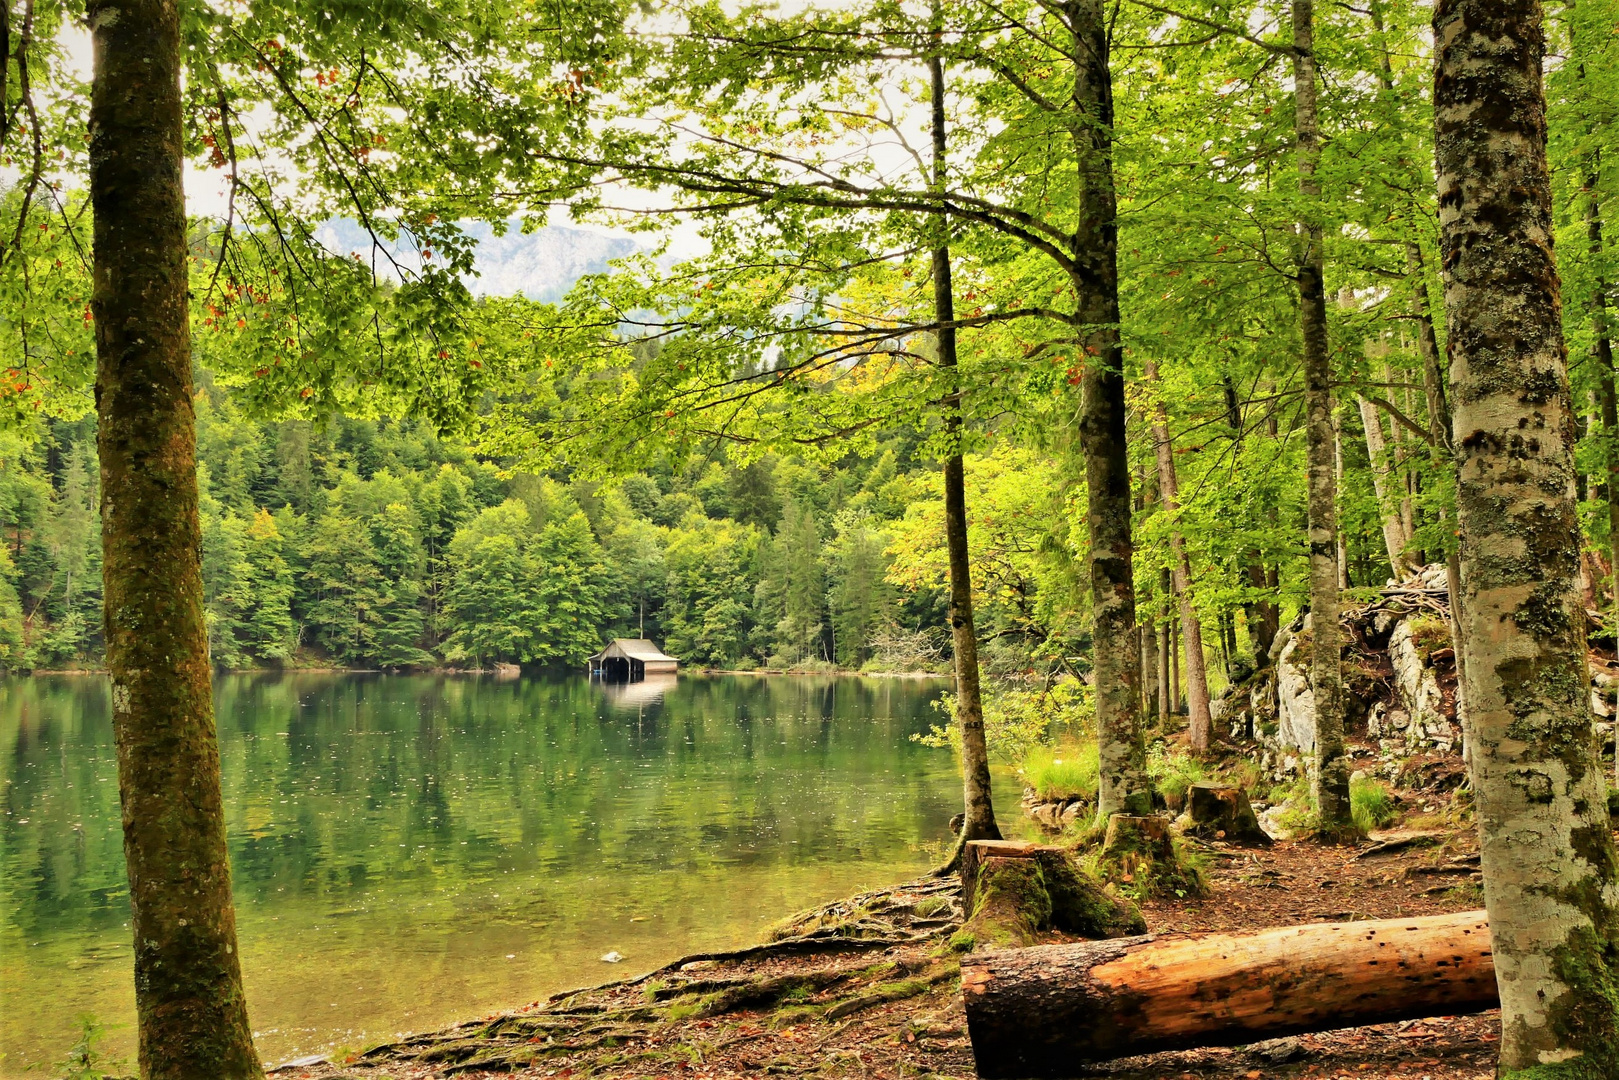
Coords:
1551,877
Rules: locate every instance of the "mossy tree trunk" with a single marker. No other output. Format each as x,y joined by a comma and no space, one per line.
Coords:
1326,677
979,820
1124,787
1197,679
1551,881
188,980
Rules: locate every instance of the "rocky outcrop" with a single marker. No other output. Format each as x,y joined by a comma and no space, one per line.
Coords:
1400,682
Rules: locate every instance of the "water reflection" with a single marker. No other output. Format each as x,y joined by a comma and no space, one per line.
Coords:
412,850
636,696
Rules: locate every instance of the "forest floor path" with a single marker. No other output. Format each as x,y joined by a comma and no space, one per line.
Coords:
867,987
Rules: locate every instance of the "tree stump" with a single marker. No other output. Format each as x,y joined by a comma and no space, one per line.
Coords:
1011,890
1045,1010
1139,852
1222,812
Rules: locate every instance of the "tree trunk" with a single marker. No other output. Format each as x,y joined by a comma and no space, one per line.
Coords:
1602,349
1151,688
192,1014
1042,1011
1175,708
1166,683
979,822
1338,480
1124,787
1197,680
1395,537
1551,877
1261,613
1332,762
1443,448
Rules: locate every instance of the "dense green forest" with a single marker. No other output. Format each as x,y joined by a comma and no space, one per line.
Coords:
378,544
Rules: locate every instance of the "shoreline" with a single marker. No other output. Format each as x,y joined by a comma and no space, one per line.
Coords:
497,672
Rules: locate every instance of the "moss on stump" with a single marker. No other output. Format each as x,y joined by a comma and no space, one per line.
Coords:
1140,855
1016,890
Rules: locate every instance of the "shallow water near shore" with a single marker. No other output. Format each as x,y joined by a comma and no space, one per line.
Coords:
409,851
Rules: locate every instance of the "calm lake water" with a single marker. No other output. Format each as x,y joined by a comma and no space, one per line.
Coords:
410,851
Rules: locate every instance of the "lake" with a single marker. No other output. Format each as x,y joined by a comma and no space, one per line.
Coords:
409,851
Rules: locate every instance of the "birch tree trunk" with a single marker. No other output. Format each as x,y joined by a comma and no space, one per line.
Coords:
1395,537
192,1014
978,822
1326,677
1124,787
1197,680
1551,878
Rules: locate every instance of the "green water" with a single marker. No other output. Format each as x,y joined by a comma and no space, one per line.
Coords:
410,851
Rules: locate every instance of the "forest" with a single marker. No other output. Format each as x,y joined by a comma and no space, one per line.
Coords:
1222,395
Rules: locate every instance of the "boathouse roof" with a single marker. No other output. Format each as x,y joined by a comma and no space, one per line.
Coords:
633,649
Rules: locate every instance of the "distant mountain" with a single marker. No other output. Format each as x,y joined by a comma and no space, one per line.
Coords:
542,265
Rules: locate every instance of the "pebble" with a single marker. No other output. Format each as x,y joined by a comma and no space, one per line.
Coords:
613,957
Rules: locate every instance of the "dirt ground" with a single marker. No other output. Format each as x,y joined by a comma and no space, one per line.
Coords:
868,987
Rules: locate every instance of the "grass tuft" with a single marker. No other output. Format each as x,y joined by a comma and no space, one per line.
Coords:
1371,804
1062,772
1174,774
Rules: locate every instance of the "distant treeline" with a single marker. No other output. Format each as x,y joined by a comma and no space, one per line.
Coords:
376,544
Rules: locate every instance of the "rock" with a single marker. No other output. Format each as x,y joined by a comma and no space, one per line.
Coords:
1418,689
612,957
1278,1051
1271,822
1295,698
1223,811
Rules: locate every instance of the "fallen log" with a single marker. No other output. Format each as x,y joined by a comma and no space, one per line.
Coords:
1041,1011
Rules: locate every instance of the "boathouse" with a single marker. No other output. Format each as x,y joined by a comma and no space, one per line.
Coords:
630,659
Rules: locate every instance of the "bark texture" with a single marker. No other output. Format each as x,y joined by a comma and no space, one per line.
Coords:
1332,762
188,981
1396,533
1551,883
979,822
1197,678
1041,1011
1124,787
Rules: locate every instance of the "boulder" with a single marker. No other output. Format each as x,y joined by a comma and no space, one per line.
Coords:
1295,698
